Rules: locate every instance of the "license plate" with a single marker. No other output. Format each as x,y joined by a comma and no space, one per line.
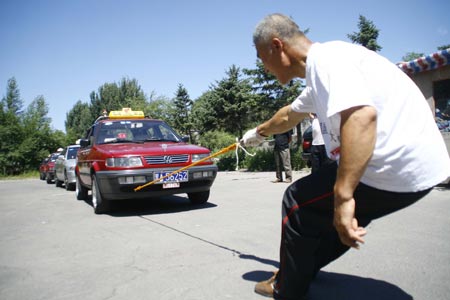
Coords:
177,177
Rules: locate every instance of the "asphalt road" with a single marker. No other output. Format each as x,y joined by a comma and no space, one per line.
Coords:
54,247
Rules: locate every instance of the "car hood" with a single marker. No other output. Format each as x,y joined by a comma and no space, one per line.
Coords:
150,148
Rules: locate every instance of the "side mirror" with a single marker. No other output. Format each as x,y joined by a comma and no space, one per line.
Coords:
84,143
185,138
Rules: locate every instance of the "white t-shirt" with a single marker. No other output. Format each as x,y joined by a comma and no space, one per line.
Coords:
409,154
316,133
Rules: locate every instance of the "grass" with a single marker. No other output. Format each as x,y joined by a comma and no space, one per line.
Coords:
26,175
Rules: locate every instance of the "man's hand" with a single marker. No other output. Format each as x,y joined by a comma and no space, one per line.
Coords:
252,138
358,138
346,224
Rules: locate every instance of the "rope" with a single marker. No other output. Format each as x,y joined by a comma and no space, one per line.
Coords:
233,146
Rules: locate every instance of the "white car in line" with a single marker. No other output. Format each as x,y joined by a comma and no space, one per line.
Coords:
65,167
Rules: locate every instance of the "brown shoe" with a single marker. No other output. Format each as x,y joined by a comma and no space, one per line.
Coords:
265,288
277,181
288,180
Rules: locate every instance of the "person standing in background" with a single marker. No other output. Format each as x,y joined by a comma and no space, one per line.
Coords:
318,152
283,156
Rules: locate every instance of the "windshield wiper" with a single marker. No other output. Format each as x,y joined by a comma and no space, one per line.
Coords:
157,140
117,141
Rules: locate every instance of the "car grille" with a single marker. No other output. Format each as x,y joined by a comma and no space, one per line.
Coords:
167,159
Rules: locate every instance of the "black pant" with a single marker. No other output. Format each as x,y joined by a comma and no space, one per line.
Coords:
309,240
318,157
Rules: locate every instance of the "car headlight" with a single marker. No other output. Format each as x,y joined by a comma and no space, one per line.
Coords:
132,161
197,157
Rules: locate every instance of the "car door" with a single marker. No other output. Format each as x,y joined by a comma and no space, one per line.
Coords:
59,165
84,162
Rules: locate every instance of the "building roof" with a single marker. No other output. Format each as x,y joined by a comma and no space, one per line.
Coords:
426,63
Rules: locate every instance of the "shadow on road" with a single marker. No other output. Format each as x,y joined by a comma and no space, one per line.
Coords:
152,206
335,286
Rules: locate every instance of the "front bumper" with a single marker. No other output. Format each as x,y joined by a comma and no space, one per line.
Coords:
111,187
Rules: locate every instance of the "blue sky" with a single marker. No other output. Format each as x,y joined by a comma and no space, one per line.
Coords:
65,49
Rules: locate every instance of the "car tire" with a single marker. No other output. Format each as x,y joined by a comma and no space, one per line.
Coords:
58,183
100,204
80,190
199,197
42,176
67,185
49,179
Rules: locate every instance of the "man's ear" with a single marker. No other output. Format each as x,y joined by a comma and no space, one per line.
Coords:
277,44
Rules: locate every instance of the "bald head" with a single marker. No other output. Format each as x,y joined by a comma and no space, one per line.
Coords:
276,26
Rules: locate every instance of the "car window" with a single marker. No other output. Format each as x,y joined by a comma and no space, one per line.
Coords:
135,131
72,152
168,133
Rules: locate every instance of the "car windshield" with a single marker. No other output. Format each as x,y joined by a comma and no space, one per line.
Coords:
136,131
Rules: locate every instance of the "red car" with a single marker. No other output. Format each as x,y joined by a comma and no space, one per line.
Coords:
126,150
47,168
306,146
43,168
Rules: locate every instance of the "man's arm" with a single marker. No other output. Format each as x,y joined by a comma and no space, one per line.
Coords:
283,120
358,137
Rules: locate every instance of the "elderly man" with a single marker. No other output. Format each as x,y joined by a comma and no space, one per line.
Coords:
373,118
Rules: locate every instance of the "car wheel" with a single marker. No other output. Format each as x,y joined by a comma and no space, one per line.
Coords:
80,190
49,179
67,185
58,183
100,204
198,197
42,176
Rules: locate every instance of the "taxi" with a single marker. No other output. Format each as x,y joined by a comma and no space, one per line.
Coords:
124,150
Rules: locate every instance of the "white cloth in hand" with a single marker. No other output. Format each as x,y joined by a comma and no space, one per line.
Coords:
252,138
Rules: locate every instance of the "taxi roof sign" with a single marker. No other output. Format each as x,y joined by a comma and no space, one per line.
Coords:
126,113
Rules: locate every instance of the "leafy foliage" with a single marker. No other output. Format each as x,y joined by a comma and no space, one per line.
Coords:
232,102
367,34
25,136
412,56
270,94
217,140
78,120
181,115
115,96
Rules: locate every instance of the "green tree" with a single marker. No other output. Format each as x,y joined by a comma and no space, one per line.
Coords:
78,120
271,95
11,133
115,96
204,115
181,116
443,47
233,102
25,136
159,107
12,101
412,56
367,34
38,137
